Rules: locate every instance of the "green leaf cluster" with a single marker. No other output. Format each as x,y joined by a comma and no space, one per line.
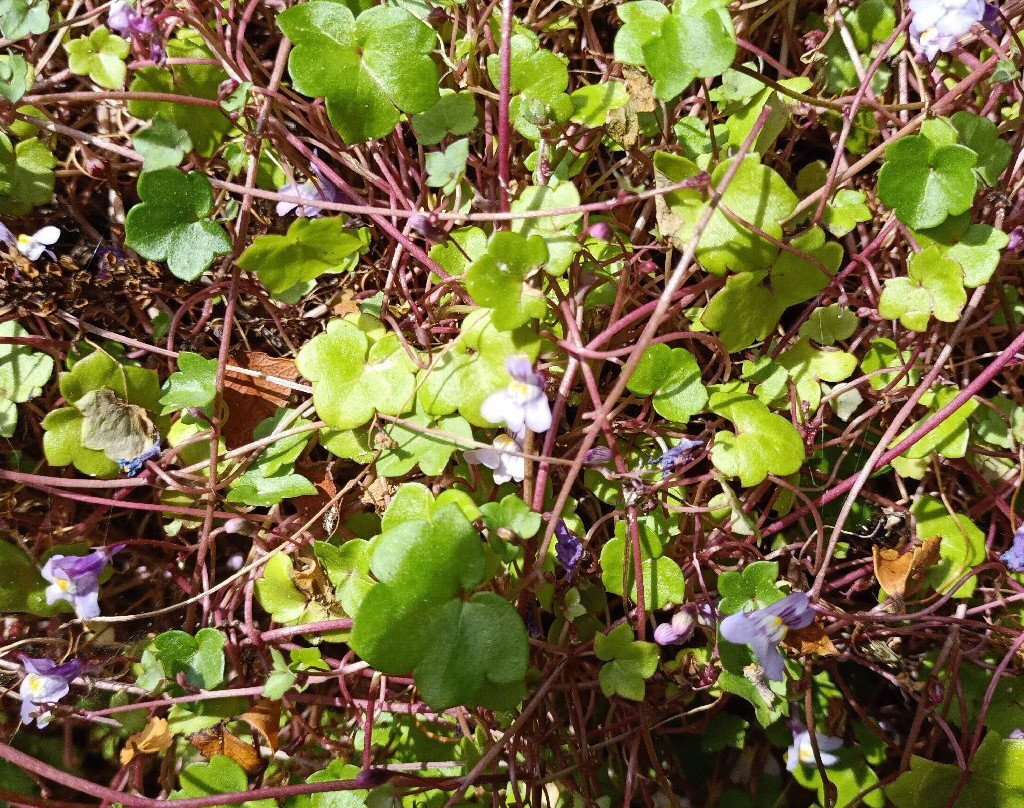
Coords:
664,584
100,56
672,377
23,372
26,175
628,663
19,18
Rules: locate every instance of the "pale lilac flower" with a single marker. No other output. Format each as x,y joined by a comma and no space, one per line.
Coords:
568,549
505,460
1014,557
763,629
32,246
1016,239
521,404
677,630
800,751
45,683
1016,735
938,24
76,579
680,453
320,191
126,20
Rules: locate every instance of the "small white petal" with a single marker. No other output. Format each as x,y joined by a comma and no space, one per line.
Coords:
47,235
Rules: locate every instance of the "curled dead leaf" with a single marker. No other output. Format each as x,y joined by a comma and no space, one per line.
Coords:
219,741
251,399
156,738
265,719
811,640
899,574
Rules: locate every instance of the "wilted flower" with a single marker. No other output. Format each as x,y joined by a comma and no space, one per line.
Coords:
680,453
677,630
505,460
32,246
126,20
45,683
938,24
763,629
597,456
76,579
523,402
132,466
568,549
1014,557
800,751
322,190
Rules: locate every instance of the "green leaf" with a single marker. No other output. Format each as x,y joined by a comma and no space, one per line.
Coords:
16,76
764,443
353,379
559,232
976,247
844,211
337,770
950,438
757,194
171,223
924,183
850,775
100,56
753,586
206,126
512,514
672,376
23,372
808,367
962,546
535,72
593,102
19,577
194,385
828,325
162,144
453,114
445,169
221,775
19,18
642,21
310,248
369,69
263,490
628,663
277,594
114,427
981,136
934,288
470,652
414,446
200,658
664,583
26,175
348,568
498,279
995,777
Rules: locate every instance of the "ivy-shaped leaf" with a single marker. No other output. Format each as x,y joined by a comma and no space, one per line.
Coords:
754,586
199,658
559,232
976,247
962,545
310,248
499,279
808,367
355,376
934,287
171,223
535,72
672,377
924,183
411,447
26,175
194,385
100,56
453,114
16,76
844,211
592,103
370,69
981,136
446,168
664,583
19,18
221,775
162,144
23,372
470,652
828,325
628,663
348,568
764,443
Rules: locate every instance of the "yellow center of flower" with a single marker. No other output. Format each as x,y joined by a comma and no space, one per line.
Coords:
35,683
503,442
24,241
806,753
63,584
776,622
520,391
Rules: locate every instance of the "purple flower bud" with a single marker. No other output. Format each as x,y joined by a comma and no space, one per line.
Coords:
531,624
422,224
1016,735
597,456
1016,239
600,230
157,51
371,778
1014,557
45,683
76,579
568,549
127,20
677,630
763,629
680,453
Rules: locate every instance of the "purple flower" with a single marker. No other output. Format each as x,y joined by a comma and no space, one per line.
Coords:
763,629
938,24
680,453
521,404
124,19
132,467
45,683
1014,557
597,456
76,579
677,630
1016,239
322,190
1016,735
505,460
801,751
568,549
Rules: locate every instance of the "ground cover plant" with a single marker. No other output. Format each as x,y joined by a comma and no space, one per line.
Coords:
453,403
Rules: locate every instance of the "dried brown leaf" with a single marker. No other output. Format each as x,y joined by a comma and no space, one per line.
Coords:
251,399
156,738
899,573
219,741
265,719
